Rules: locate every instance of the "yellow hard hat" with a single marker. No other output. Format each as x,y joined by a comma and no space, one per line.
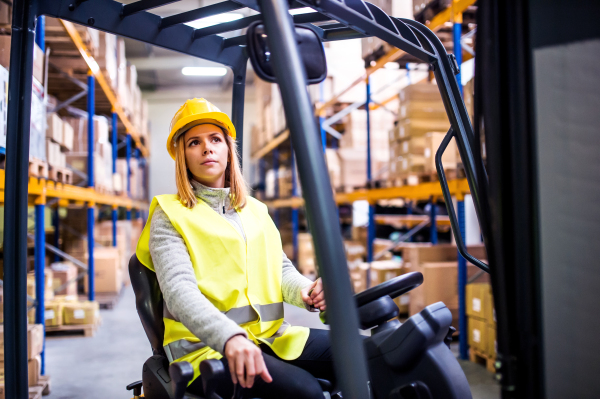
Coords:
193,112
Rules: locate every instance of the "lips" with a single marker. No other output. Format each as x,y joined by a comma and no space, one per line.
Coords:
209,162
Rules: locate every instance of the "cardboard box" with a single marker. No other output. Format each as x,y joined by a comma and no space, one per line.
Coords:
67,136
64,272
38,63
35,340
422,110
306,255
492,344
37,134
358,276
34,370
5,51
333,167
5,14
433,140
53,313
355,251
108,272
477,337
80,313
427,92
418,127
54,128
475,300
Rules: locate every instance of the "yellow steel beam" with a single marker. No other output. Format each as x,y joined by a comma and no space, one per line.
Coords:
447,15
112,98
423,191
41,188
271,145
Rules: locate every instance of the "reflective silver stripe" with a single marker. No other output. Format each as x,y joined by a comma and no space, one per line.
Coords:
179,349
280,331
167,314
246,314
270,312
242,315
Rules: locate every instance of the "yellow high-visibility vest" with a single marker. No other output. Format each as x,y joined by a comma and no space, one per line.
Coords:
240,278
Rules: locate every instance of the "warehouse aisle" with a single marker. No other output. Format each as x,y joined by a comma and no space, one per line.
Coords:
100,367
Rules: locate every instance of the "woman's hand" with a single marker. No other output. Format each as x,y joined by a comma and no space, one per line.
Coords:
314,296
245,361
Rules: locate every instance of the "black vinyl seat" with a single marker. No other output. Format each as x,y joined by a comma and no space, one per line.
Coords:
159,379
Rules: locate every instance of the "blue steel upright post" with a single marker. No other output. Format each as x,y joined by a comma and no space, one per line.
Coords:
433,236
371,226
56,225
91,204
128,158
456,35
115,141
40,33
39,265
462,263
295,212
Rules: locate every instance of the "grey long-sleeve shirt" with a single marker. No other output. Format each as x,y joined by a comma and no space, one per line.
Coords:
177,279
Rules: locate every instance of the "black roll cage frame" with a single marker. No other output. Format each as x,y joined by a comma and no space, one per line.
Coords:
350,19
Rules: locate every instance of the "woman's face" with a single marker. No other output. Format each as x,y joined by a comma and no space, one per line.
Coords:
206,154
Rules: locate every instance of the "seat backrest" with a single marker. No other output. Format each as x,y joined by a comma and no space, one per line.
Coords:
149,303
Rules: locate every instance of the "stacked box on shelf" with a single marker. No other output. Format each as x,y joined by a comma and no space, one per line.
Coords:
353,147
307,264
271,117
108,270
413,141
103,232
481,319
106,57
439,266
35,346
78,158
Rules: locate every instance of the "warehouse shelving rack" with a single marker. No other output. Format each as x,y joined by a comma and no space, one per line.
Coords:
422,191
43,192
355,19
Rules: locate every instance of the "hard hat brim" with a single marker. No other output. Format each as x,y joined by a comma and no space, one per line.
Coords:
184,124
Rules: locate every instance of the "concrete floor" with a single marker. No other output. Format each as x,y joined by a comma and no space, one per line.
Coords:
100,367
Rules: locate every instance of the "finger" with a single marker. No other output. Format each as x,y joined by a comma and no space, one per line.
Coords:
319,298
262,369
239,370
250,371
319,305
232,371
317,290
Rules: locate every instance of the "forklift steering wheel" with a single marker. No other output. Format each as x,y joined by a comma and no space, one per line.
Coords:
394,288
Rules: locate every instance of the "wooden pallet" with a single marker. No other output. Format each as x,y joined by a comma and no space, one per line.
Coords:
481,358
61,175
88,330
42,388
38,168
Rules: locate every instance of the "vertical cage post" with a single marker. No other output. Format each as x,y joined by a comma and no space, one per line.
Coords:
237,109
462,282
15,200
128,158
351,367
128,214
39,265
115,141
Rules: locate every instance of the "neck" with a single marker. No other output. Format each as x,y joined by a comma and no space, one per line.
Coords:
215,197
219,183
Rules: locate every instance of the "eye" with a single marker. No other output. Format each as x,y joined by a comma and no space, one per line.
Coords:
216,139
193,143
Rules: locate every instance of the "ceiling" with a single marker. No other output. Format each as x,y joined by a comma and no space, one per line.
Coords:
160,69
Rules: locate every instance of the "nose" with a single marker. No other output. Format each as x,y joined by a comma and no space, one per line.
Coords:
207,149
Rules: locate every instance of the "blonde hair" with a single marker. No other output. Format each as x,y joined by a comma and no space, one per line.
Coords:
233,176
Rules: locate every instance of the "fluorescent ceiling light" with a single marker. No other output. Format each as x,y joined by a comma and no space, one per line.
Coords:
303,10
215,20
204,71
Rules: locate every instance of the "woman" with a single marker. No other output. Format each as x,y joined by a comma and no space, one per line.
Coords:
223,274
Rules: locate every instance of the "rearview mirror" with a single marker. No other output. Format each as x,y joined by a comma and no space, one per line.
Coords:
309,46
